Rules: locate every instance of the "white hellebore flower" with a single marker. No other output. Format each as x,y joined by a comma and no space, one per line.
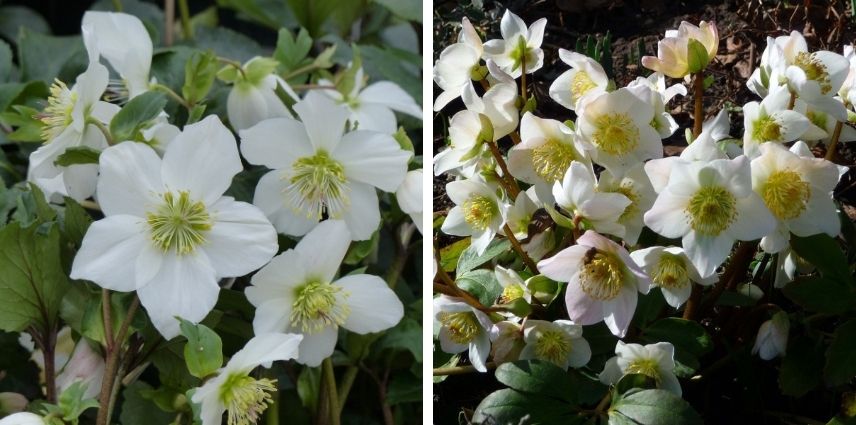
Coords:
463,327
672,271
513,286
520,47
603,281
477,212
772,339
648,92
457,65
519,215
506,340
825,122
635,186
560,342
617,125
578,194
772,121
168,232
318,169
409,196
679,53
86,366
233,391
297,292
585,80
253,96
847,92
816,77
797,189
710,205
23,418
656,361
123,40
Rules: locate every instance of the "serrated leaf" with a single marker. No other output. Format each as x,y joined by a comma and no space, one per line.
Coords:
78,155
203,352
137,112
290,50
652,407
450,254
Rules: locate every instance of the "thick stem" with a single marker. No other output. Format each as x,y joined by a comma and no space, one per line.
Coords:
523,78
739,261
184,11
792,101
108,320
604,402
332,395
830,152
401,253
112,364
692,303
104,130
519,248
169,15
459,370
698,110
272,412
345,387
508,181
49,352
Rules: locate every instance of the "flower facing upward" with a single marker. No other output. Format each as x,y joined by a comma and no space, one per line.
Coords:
672,271
578,194
320,171
771,121
477,212
603,281
457,65
586,79
168,232
656,361
297,292
560,342
462,328
519,48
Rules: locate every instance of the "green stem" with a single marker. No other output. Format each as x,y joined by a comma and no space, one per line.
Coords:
104,130
272,412
111,369
186,29
233,63
332,395
698,110
117,4
300,71
172,94
830,152
345,388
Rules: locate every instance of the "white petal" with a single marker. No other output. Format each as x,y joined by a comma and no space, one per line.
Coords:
363,217
374,117
246,106
324,248
580,353
264,349
324,120
619,311
479,350
373,158
278,279
374,307
240,240
753,220
22,418
130,179
108,253
317,346
272,316
123,40
391,95
668,216
275,143
707,252
80,180
268,197
563,266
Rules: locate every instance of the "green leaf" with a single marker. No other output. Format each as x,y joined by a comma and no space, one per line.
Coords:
404,388
5,62
137,410
291,51
359,250
13,18
42,57
821,294
482,284
33,282
71,401
685,335
823,252
634,380
840,367
403,140
470,259
537,377
203,352
801,367
697,57
450,254
259,68
135,114
308,386
407,9
508,406
92,321
311,14
406,335
199,74
228,43
274,14
15,93
27,127
652,407
78,155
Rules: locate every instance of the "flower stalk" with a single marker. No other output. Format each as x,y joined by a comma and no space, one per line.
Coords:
113,354
698,97
507,181
519,248
332,394
836,134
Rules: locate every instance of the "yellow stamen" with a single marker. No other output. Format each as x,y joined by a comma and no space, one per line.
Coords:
616,134
785,193
711,210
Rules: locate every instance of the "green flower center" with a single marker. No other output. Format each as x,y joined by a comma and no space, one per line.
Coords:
616,134
318,185
57,115
785,194
814,70
671,272
766,129
179,223
581,83
602,275
318,306
631,210
711,210
647,367
552,159
479,211
246,398
463,326
553,346
511,293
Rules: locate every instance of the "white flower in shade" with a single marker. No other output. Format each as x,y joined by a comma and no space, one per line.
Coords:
519,215
634,184
23,418
86,366
672,271
673,52
168,232
603,281
409,196
372,106
560,342
253,97
297,292
788,265
506,340
710,205
797,189
318,169
544,154
478,212
586,79
772,339
816,77
656,361
235,392
160,133
457,65
647,91
498,104
771,121
462,328
618,127
513,286
122,39
519,48
825,122
540,244
578,194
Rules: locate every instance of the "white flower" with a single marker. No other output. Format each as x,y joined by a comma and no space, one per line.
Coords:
540,244
618,127
825,122
656,361
520,46
772,339
168,232
86,366
319,169
455,67
673,52
560,342
797,189
123,40
498,104
603,281
512,285
847,92
253,97
710,205
816,77
788,265
462,328
672,271
635,186
578,194
519,215
234,391
477,212
160,133
647,92
297,292
506,340
409,196
771,121
586,79
23,418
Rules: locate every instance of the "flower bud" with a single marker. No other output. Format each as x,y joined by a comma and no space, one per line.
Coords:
772,339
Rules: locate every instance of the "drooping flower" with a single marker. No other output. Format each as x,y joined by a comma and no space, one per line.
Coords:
409,196
647,91
603,281
457,65
297,292
710,205
578,194
634,184
478,212
513,286
771,121
463,328
506,340
519,48
168,232
684,51
86,366
233,391
772,338
585,80
519,215
123,40
560,342
23,418
656,361
672,271
253,97
319,170
823,121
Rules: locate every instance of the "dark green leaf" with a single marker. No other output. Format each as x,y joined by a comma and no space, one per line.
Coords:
5,62
137,410
482,284
470,259
652,407
404,388
28,128
840,367
228,43
203,352
407,9
821,294
13,18
685,335
308,385
508,406
137,112
15,93
42,57
406,335
78,155
801,367
537,377
823,252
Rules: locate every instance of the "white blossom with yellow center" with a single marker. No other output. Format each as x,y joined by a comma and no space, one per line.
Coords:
771,122
456,65
672,271
478,212
656,361
585,80
513,286
578,194
519,215
462,328
635,186
560,342
519,48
